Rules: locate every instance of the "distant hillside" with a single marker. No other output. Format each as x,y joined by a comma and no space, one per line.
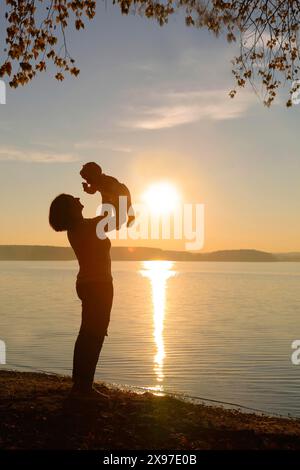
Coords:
154,253
288,256
238,255
35,253
53,253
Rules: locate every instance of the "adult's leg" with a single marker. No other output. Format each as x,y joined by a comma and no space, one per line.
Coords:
96,306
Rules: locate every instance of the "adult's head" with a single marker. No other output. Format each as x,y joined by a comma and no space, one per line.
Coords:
65,212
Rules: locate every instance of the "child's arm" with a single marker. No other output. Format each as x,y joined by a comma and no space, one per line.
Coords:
104,184
89,188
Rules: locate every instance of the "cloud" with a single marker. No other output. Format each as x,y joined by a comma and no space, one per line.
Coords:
165,117
15,154
98,144
180,108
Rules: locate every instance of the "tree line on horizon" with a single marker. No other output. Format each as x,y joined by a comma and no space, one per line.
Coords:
54,253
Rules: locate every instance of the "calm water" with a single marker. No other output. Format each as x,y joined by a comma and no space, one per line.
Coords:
216,330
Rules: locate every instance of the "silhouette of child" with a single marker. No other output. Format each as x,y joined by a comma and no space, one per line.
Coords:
109,187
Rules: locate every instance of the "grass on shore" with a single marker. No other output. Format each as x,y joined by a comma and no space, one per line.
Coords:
35,414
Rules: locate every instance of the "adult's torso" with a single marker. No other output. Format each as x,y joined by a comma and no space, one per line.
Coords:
93,253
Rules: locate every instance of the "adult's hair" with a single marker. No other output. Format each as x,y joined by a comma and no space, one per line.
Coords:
60,213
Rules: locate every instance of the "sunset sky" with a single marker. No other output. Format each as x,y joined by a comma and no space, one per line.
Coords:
149,104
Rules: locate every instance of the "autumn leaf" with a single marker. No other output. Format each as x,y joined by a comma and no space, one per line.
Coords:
74,71
59,76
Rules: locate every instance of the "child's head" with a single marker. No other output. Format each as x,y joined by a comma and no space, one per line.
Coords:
90,172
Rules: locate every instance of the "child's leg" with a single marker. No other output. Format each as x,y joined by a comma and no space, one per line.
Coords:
130,211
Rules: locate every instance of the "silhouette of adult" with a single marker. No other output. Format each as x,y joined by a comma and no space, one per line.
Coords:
94,286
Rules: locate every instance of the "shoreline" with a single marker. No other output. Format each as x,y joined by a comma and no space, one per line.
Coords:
191,399
36,414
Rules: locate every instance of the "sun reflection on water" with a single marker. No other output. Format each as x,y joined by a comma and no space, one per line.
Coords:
158,272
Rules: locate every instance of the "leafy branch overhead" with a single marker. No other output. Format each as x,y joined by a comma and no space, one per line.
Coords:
265,30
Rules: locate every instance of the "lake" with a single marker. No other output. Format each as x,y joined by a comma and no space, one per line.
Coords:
222,331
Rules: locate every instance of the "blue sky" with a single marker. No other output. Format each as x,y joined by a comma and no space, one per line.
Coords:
152,103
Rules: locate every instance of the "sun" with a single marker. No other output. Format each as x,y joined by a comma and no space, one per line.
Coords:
161,197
